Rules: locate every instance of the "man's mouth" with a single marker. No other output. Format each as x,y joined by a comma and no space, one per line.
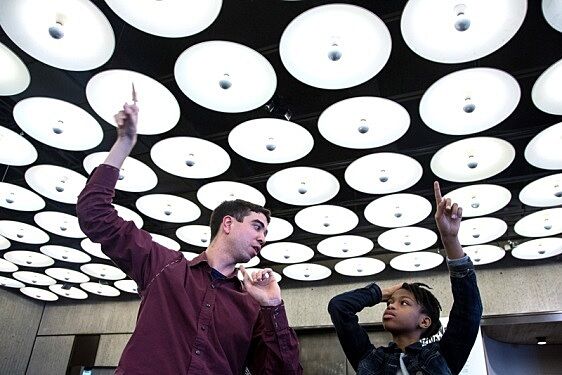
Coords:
256,249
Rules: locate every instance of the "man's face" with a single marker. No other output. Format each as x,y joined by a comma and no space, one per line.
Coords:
248,236
402,313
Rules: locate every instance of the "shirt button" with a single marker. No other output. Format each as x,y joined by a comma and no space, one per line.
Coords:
202,328
198,352
208,305
419,373
213,286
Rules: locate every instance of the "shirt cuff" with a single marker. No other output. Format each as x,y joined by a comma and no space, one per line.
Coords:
105,175
376,294
275,317
460,267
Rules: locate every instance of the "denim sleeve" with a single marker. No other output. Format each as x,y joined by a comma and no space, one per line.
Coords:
464,318
343,310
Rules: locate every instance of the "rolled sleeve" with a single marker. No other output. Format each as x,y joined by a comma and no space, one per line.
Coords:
460,267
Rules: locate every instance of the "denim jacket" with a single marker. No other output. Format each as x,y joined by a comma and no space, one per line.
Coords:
446,356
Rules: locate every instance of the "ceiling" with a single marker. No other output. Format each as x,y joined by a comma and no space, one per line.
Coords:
259,25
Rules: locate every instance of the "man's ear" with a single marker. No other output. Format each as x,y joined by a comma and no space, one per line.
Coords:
425,322
226,224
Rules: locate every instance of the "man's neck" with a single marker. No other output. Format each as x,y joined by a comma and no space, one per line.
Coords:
220,260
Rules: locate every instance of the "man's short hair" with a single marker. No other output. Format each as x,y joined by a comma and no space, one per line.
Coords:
429,305
238,209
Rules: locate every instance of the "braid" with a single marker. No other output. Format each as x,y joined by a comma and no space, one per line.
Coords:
429,304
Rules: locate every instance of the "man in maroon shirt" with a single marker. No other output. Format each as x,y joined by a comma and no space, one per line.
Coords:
195,317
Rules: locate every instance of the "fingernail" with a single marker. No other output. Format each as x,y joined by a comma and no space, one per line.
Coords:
454,216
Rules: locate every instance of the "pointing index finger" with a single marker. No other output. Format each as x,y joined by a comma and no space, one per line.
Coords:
437,191
134,93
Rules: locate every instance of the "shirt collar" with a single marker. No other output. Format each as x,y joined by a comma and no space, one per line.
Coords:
412,348
202,258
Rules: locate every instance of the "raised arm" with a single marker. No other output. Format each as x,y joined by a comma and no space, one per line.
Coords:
464,318
343,310
130,248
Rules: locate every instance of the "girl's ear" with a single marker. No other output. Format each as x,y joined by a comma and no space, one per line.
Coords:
425,322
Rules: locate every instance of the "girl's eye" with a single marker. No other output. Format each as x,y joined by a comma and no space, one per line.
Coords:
404,303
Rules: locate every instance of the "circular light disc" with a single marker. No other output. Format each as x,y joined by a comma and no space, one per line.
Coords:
417,261
15,149
4,243
269,140
345,246
335,46
134,175
364,122
484,254
59,223
359,267
168,208
6,266
67,275
538,249
544,192
278,229
168,18
225,76
545,90
18,198
307,272
190,157
102,271
57,183
481,230
92,248
472,159
15,77
326,219
100,289
383,173
552,11
40,294
22,232
397,210
129,286
56,32
302,186
72,292
159,110
28,258
214,193
287,252
58,123
453,31
480,200
10,283
65,254
407,239
34,278
196,235
543,151
540,224
469,101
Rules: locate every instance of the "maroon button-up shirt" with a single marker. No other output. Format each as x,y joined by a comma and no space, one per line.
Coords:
187,323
